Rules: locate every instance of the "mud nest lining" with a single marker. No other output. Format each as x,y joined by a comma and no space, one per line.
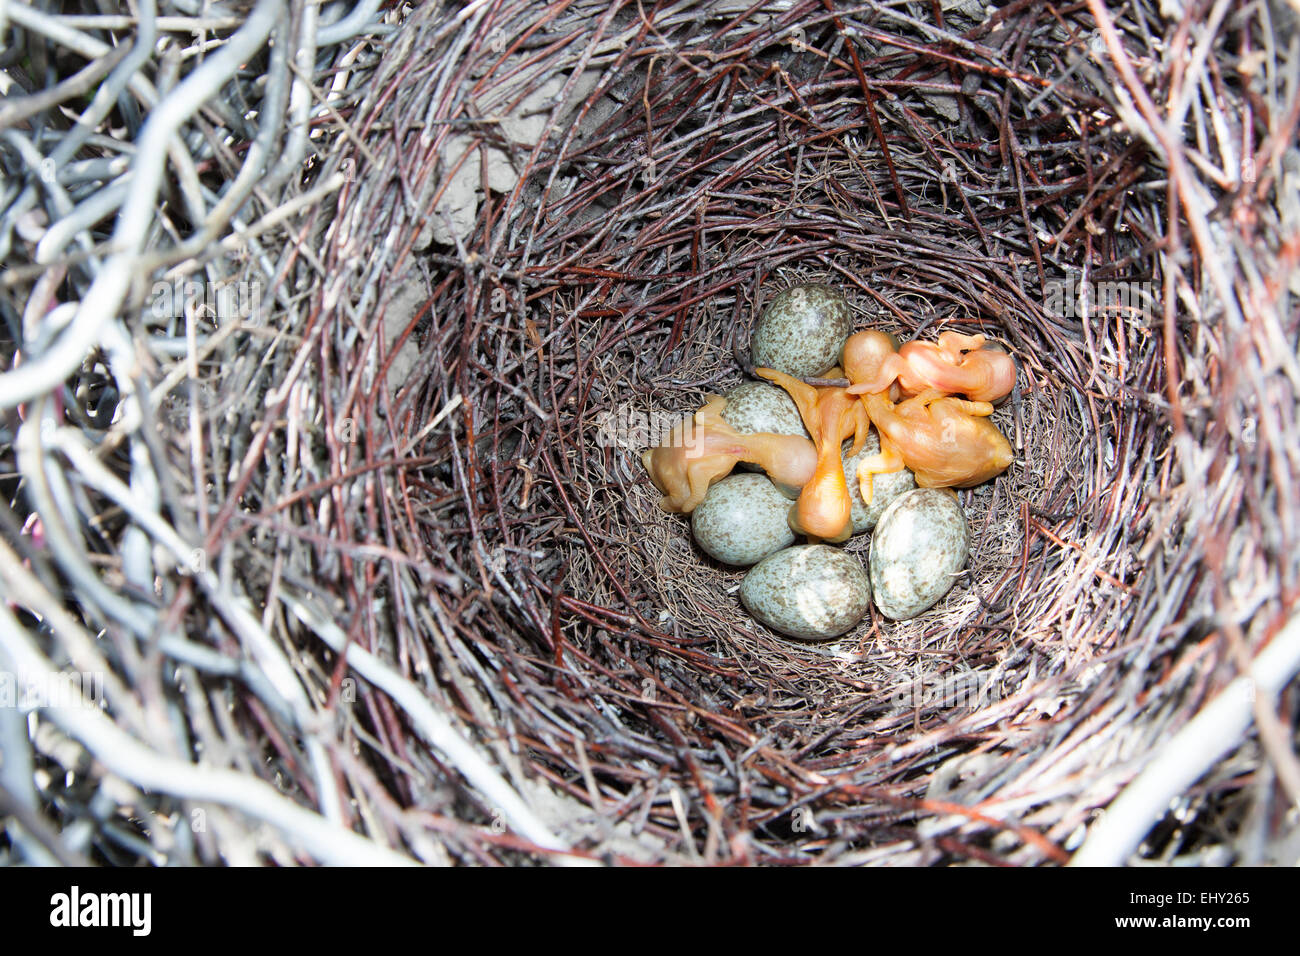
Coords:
551,230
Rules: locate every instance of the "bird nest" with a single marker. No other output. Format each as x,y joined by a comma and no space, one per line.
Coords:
364,550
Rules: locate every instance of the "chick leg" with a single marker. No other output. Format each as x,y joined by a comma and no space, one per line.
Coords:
921,400
975,409
954,344
886,461
861,427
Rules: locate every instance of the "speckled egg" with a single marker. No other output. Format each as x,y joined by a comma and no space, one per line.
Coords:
811,591
759,407
919,545
742,519
802,331
884,488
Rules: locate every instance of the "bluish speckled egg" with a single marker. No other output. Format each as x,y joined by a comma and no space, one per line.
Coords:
884,488
756,407
742,519
811,591
802,331
919,546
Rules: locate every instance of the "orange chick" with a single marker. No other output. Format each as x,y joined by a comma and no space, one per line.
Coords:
956,364
704,448
824,509
946,442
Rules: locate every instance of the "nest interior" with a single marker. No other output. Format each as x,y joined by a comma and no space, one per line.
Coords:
947,169
535,234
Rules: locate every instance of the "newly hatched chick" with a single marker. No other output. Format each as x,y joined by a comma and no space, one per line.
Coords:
824,509
946,442
704,449
956,364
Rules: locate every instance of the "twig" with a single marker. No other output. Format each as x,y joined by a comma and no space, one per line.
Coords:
1188,755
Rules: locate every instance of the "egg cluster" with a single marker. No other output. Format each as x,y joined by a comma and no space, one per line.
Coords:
852,425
